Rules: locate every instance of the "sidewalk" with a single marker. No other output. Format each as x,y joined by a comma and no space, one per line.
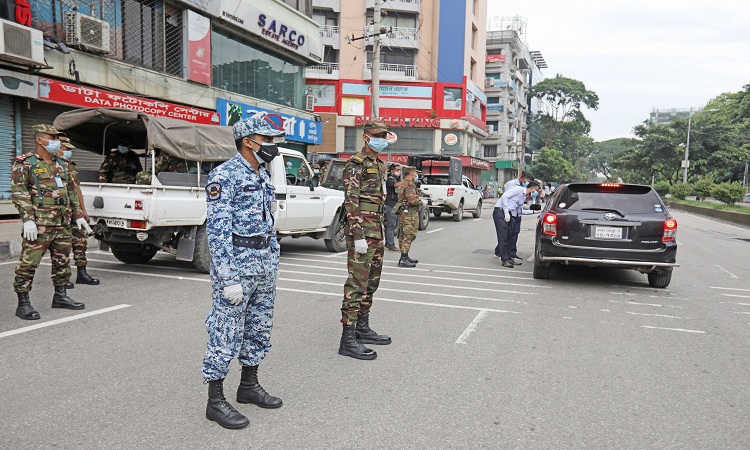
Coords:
10,238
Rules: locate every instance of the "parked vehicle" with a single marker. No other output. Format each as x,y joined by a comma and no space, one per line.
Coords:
450,193
608,224
334,179
746,198
135,221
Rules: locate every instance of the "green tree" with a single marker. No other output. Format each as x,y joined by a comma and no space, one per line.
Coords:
549,165
680,190
602,159
560,100
702,188
729,193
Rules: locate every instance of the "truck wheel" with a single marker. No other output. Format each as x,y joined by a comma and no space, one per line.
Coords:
437,213
201,254
478,212
133,254
660,279
459,215
424,218
338,243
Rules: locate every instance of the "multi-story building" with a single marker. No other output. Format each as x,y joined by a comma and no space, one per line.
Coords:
508,65
431,71
665,116
204,61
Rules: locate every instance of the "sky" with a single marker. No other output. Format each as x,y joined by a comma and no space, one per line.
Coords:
638,55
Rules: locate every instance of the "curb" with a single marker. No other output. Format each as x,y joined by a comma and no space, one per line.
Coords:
736,218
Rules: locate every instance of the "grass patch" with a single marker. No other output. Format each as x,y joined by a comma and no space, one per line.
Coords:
719,206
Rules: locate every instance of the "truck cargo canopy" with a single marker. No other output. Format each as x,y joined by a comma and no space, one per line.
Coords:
101,129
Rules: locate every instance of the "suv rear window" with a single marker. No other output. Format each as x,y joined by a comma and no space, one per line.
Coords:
627,199
441,180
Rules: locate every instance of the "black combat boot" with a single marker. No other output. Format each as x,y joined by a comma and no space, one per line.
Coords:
405,261
366,335
70,285
25,311
220,410
350,347
412,260
84,277
250,390
61,300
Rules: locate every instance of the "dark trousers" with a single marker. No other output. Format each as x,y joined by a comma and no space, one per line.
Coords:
513,238
502,228
391,225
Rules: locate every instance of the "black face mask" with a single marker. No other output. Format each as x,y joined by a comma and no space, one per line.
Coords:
267,152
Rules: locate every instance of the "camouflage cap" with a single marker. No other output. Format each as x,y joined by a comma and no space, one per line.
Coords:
269,125
65,142
375,127
44,128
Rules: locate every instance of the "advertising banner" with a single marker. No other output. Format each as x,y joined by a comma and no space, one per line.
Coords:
19,84
88,97
199,48
297,129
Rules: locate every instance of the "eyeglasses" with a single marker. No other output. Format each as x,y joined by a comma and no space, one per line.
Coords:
12,83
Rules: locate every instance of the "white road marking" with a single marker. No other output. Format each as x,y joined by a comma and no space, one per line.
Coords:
477,220
413,292
149,266
336,255
673,329
63,320
622,293
639,287
740,312
652,315
728,288
725,270
8,262
410,282
733,303
410,274
148,274
471,328
605,310
736,295
668,298
436,230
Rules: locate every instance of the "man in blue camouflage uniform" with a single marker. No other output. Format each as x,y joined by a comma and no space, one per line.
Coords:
244,262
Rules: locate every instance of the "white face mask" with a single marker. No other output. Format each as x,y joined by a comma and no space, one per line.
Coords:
122,149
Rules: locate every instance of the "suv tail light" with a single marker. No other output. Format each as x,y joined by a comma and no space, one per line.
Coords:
549,224
451,191
670,230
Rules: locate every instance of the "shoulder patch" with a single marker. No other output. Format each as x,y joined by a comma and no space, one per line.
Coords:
372,170
23,157
359,157
213,192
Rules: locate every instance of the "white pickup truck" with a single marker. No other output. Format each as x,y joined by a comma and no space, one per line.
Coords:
450,193
135,221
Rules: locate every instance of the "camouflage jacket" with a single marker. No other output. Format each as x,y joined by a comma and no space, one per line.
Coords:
364,183
120,168
168,163
408,194
50,198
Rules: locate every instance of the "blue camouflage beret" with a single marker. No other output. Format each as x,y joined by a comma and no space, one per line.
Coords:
269,125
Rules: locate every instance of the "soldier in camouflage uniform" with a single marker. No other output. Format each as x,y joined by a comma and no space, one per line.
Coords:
121,165
409,219
364,185
80,240
42,190
244,263
167,163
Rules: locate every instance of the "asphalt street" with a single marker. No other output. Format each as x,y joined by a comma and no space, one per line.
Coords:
482,356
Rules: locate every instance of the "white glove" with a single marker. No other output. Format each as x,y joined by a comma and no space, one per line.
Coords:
507,216
29,230
233,293
83,224
360,246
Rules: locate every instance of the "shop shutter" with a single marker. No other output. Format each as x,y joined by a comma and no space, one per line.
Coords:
8,139
43,112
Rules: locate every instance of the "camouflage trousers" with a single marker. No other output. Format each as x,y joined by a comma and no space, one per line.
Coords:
363,280
408,225
58,241
240,331
80,242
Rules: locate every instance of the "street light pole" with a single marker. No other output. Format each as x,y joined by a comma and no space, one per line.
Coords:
687,153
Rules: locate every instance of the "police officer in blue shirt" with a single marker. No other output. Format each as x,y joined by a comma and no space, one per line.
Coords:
523,180
244,262
511,202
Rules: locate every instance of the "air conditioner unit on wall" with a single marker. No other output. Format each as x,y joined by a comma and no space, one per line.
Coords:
86,32
309,103
21,45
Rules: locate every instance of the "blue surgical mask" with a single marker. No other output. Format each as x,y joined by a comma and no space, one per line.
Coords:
377,144
525,183
122,149
316,171
52,146
534,194
67,154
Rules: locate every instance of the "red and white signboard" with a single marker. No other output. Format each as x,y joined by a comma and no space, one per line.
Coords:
88,97
199,48
495,58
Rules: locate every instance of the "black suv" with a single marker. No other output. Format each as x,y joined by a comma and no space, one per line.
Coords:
608,224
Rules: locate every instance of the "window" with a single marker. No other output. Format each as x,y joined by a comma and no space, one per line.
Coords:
152,35
473,37
494,76
400,20
472,69
492,124
452,99
494,51
490,151
238,66
394,56
493,100
297,172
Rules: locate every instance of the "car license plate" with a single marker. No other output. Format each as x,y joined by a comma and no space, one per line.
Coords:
116,223
608,232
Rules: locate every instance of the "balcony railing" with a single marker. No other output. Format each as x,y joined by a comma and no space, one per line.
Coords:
399,36
393,71
326,71
398,5
329,31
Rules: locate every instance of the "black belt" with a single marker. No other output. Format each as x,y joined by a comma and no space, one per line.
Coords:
256,242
